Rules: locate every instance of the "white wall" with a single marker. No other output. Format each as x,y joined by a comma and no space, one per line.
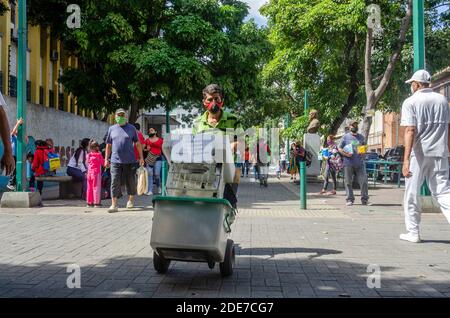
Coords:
64,128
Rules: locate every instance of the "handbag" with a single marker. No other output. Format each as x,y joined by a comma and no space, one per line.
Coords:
151,159
142,181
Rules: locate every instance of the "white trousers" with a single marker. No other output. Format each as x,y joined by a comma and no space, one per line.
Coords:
435,171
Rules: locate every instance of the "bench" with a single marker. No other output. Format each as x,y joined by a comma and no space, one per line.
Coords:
68,188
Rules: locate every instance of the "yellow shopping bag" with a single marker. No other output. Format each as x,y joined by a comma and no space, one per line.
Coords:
362,149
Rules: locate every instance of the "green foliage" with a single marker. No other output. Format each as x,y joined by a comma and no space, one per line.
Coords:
297,129
319,45
154,52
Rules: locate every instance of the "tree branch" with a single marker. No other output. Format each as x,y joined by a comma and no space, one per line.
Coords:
368,63
395,55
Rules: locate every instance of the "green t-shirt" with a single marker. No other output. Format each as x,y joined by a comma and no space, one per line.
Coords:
227,121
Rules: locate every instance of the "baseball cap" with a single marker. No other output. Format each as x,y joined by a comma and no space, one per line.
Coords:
120,111
420,76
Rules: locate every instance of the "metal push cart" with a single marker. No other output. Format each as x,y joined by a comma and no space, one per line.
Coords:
192,222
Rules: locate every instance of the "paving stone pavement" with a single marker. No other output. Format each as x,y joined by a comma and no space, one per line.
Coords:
281,251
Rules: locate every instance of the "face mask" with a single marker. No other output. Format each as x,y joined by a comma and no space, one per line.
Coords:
354,130
214,106
152,135
121,120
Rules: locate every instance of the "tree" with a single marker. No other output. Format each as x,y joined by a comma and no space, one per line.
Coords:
319,46
151,53
373,96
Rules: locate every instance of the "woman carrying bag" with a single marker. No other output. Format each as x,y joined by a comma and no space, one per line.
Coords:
153,160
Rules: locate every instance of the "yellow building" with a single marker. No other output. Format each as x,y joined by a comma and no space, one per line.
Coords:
46,62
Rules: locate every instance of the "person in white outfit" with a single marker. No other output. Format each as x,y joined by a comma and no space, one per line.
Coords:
426,116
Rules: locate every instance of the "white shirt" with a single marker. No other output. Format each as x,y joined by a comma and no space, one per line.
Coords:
283,157
77,165
429,113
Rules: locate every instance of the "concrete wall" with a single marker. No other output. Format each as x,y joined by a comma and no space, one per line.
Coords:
64,128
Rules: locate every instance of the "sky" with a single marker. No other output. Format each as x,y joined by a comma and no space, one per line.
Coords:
254,13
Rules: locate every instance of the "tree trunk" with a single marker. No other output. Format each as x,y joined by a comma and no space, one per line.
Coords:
352,72
367,122
374,96
133,112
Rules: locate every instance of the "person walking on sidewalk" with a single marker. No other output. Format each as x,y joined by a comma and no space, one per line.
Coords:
333,165
426,117
154,144
216,119
354,164
94,175
119,145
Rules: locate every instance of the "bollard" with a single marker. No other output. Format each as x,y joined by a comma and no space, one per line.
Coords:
303,185
164,173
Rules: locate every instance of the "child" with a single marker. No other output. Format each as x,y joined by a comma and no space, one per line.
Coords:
40,156
94,161
30,174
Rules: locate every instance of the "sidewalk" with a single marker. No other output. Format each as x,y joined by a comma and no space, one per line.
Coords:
282,251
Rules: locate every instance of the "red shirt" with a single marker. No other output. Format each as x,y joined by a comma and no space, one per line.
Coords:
155,147
40,156
142,141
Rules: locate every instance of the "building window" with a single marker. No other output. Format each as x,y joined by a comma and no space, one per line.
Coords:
41,95
51,98
12,86
28,91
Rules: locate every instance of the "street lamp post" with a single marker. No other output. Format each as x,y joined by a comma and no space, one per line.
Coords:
21,92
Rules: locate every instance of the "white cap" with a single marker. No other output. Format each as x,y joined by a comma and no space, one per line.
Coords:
420,76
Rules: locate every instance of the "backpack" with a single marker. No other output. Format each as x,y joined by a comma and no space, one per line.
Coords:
308,158
51,161
336,161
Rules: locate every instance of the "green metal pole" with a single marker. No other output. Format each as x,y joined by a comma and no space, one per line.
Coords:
164,177
21,91
306,101
303,165
167,120
418,35
303,185
419,54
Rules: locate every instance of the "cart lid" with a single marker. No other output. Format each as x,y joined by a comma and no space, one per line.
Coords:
191,199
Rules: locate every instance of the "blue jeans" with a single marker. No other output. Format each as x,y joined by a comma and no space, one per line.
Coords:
154,172
256,171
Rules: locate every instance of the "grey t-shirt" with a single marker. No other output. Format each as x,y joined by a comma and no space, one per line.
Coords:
429,113
122,139
355,160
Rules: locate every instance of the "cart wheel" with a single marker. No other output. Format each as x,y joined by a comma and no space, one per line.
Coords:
226,267
160,264
211,264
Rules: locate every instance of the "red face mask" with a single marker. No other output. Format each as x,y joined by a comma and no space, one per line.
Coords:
213,106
